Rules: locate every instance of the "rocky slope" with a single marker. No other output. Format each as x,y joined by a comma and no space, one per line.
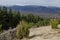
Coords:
41,33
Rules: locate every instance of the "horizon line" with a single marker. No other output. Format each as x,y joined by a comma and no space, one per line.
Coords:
30,5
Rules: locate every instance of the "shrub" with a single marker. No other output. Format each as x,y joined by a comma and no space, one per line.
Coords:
31,25
46,22
54,23
0,28
40,23
22,30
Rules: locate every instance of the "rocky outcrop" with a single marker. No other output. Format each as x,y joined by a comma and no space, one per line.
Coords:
41,33
8,35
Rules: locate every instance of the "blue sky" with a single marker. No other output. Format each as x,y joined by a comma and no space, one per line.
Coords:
31,2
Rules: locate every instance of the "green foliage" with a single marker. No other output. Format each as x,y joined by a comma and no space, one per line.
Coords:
0,28
31,18
9,18
54,23
40,23
46,22
31,25
22,30
43,23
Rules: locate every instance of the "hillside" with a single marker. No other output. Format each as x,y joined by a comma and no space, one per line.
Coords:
35,9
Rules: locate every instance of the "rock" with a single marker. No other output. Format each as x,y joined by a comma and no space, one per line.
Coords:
8,35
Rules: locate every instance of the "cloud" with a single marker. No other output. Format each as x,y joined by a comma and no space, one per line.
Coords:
31,2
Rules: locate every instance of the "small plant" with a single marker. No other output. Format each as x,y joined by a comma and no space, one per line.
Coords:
0,28
40,23
22,30
54,23
31,25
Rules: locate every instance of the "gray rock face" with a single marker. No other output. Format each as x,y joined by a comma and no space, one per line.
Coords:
8,35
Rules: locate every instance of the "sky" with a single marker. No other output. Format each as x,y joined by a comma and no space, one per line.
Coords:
30,2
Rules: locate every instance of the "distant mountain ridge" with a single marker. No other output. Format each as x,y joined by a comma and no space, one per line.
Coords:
35,9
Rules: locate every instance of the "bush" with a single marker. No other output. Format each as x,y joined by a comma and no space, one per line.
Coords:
46,22
54,23
22,30
40,23
0,28
31,25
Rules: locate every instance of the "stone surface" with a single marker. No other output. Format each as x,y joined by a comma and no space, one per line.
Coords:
41,33
8,35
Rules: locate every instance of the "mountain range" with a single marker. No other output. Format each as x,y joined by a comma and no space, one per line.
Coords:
35,9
